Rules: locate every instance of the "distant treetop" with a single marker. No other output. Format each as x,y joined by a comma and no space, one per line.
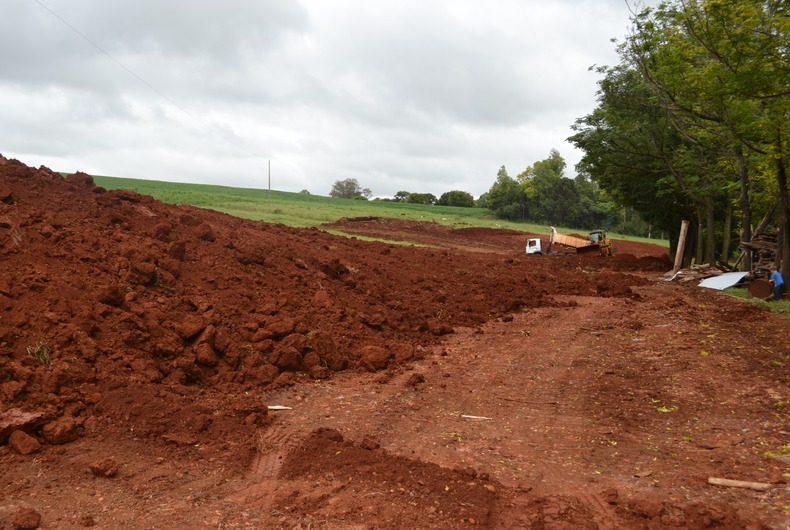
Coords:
349,189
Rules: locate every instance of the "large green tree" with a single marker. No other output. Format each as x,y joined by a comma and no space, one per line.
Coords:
507,198
626,141
456,198
349,189
402,196
699,104
541,183
720,70
421,198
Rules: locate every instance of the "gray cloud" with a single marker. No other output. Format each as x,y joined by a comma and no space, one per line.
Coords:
422,96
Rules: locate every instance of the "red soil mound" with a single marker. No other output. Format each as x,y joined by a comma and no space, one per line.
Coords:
133,291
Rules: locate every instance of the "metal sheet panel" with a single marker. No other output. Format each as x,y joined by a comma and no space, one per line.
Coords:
722,281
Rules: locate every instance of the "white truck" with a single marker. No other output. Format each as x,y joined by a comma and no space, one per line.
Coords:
533,247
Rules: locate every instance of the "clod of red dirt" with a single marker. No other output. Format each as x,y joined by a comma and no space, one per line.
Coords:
13,419
26,519
652,514
23,443
369,443
63,430
415,379
107,467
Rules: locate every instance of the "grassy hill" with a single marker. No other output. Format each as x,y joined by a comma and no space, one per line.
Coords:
305,210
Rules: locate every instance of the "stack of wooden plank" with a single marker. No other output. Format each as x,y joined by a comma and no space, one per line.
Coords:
695,272
763,247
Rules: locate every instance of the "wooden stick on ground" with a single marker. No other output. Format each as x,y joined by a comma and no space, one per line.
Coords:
758,486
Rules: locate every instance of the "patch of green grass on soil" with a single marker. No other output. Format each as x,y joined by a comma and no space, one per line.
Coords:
777,306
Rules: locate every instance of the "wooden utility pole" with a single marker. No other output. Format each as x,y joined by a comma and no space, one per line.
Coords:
270,187
681,246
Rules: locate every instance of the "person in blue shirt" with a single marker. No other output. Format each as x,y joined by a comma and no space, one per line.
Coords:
778,282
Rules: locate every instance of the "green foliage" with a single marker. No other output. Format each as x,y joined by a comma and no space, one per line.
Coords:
349,189
542,194
632,223
456,198
421,198
506,198
695,120
542,183
620,140
450,198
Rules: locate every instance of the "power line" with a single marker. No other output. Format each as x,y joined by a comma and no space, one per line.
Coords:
141,79
116,61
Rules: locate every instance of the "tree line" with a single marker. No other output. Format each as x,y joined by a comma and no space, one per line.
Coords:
693,123
540,194
351,189
543,194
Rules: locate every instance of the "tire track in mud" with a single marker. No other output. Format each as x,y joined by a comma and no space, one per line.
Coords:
553,398
337,404
272,445
521,377
260,484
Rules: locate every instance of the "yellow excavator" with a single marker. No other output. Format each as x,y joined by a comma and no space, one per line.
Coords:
597,242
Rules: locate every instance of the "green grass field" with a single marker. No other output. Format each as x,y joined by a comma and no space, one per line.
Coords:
304,210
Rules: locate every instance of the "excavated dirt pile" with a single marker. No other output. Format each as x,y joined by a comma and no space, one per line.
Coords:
119,289
142,345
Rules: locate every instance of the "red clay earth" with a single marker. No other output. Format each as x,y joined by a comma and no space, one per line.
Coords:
458,385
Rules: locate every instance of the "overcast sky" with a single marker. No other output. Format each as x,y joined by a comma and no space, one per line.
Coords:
423,96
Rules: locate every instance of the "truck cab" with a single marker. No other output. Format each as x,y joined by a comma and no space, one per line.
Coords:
533,247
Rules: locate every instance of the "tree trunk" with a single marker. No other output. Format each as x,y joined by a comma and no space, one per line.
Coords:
746,208
710,232
673,234
700,247
725,241
692,237
781,175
